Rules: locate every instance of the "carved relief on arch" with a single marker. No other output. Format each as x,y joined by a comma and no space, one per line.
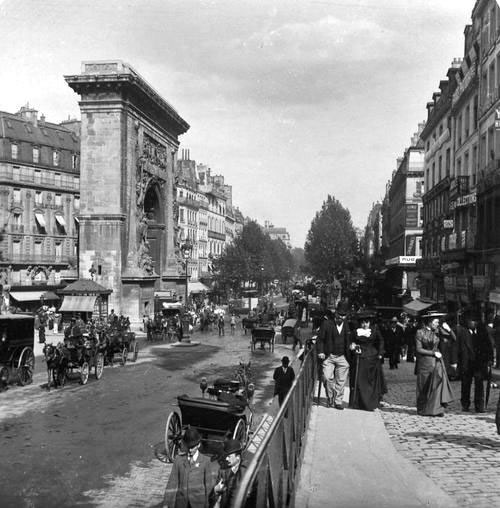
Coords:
33,271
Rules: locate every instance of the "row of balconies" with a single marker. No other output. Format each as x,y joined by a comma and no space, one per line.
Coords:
61,182
21,229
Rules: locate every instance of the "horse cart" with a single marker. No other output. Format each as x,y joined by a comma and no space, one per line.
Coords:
17,360
287,329
119,345
83,354
224,414
249,323
264,335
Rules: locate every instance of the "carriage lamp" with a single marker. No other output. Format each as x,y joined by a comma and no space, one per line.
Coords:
203,386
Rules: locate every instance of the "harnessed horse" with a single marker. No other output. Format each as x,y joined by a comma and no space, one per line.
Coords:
57,363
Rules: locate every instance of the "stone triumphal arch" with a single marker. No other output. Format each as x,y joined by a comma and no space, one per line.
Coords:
129,141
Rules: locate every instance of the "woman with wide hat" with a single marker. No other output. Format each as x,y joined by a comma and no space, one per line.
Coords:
366,376
192,477
433,387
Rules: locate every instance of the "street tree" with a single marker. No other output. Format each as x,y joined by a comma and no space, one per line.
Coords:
331,244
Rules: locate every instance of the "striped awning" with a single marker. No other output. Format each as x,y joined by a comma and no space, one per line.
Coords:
77,303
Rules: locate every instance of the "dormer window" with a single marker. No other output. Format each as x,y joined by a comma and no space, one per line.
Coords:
55,158
74,161
36,154
14,150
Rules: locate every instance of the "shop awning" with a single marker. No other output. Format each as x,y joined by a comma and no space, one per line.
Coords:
172,305
416,306
60,220
198,287
33,296
40,219
77,303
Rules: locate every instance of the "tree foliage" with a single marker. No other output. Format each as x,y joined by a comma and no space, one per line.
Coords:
331,244
253,257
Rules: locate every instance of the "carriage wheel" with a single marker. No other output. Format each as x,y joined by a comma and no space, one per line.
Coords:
26,366
99,365
124,355
240,432
173,433
84,373
135,351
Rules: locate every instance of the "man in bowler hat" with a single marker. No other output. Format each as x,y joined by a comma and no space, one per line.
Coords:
333,343
283,379
475,355
192,477
229,477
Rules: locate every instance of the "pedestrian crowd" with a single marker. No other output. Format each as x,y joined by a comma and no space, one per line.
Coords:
353,350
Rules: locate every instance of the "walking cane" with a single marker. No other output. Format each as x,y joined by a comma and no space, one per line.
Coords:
357,352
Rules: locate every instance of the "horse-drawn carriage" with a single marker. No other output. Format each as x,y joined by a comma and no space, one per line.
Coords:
226,413
249,323
17,360
83,354
119,344
287,329
264,335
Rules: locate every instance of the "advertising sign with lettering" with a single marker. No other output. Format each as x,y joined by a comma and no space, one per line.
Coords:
411,216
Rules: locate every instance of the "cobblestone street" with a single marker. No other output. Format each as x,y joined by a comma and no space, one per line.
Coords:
460,452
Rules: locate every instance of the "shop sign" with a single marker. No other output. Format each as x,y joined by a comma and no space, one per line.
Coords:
468,199
448,223
411,216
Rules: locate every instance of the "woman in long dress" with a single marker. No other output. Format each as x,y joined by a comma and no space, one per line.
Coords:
433,387
366,376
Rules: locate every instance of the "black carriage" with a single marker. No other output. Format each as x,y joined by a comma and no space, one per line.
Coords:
83,354
264,335
120,345
287,329
17,360
225,413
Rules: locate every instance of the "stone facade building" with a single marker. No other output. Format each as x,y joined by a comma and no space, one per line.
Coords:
277,233
39,204
129,142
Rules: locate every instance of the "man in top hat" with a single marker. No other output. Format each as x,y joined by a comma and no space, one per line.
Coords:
192,477
475,355
229,477
393,339
333,343
283,377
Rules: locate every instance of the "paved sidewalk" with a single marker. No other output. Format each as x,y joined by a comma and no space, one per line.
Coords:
350,462
394,458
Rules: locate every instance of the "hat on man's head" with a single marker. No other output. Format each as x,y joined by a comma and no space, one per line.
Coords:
232,446
394,319
285,360
342,309
191,437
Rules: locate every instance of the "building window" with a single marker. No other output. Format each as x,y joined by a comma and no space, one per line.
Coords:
76,203
74,161
58,250
58,200
181,215
36,154
55,158
57,179
38,176
14,150
38,197
16,194
38,249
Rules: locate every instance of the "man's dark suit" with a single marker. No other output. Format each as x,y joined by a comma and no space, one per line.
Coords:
282,382
474,352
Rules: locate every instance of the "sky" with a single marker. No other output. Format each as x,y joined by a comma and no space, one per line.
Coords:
290,100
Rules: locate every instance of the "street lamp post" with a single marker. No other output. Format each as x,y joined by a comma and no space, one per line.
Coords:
187,251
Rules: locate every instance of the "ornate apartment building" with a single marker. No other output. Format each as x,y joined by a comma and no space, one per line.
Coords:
39,204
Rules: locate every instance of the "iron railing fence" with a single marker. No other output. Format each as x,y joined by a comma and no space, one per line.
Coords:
273,473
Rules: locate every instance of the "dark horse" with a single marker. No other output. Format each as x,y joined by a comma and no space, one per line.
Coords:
57,364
